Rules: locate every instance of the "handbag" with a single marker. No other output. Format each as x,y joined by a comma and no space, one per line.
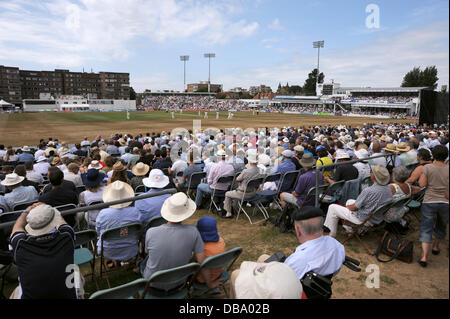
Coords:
396,248
316,286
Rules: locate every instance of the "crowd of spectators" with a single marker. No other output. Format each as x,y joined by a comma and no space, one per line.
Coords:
380,99
193,103
51,175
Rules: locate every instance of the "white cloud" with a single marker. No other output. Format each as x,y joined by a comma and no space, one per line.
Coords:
69,34
275,25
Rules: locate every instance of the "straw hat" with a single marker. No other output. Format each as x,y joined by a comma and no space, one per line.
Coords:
12,179
381,174
140,169
177,208
118,190
55,160
118,166
156,179
42,219
390,148
403,147
272,280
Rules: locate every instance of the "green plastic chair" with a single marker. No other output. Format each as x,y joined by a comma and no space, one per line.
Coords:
173,276
83,255
222,260
328,197
126,291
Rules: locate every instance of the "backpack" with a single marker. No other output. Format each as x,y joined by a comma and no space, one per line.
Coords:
284,220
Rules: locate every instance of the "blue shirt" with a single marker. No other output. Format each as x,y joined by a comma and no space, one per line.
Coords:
323,255
25,157
108,218
150,207
284,167
21,194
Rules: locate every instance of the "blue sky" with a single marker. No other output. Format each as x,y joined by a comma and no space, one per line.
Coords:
256,42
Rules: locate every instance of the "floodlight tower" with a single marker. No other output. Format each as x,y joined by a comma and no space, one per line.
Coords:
209,56
184,58
318,45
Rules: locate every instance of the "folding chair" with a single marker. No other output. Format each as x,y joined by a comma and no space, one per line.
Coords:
140,189
126,291
179,276
3,209
194,180
286,184
328,197
23,205
90,212
228,179
222,260
84,255
253,183
70,219
133,230
80,189
365,182
416,201
270,195
379,211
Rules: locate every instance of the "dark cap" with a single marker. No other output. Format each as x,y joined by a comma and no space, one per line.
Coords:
308,212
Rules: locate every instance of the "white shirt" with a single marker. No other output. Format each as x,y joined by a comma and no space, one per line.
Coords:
2,154
41,167
38,153
75,178
35,177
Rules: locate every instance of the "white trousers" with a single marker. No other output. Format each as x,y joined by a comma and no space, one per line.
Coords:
336,212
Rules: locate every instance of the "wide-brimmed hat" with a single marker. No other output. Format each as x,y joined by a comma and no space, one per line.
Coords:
41,159
307,160
252,157
42,219
26,149
63,150
362,153
264,159
403,147
351,145
207,227
342,155
95,164
118,190
221,152
272,280
118,166
140,169
381,174
287,153
390,148
177,208
299,148
93,177
156,179
12,179
55,160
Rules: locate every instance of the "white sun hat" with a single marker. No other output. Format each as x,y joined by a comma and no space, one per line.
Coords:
42,219
177,208
118,190
156,179
12,179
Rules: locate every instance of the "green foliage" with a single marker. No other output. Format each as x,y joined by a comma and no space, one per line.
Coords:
309,88
416,77
132,94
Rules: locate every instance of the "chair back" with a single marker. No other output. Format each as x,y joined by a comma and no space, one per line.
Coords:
173,276
23,206
140,189
121,232
9,216
3,209
287,182
125,291
336,186
378,213
195,179
84,237
272,177
254,183
155,222
226,179
401,201
180,174
222,260
80,189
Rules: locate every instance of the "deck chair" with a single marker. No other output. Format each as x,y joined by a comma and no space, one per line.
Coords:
228,179
83,255
179,275
379,211
256,200
129,290
222,260
194,180
133,230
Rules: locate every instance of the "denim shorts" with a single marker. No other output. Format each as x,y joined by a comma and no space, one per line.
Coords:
434,221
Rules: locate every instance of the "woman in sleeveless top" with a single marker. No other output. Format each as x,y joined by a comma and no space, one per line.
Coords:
424,158
399,189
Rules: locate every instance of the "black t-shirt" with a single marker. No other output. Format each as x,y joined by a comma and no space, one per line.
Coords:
41,263
345,172
297,163
67,185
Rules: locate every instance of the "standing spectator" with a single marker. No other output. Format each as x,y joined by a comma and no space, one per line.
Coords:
43,246
434,209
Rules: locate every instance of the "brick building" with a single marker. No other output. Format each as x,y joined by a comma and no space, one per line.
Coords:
10,86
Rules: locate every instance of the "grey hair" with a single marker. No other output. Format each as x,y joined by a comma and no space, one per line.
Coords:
401,173
312,226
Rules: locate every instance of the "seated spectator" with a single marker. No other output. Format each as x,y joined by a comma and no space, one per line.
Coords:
218,170
42,165
173,244
112,149
93,181
376,151
85,165
119,173
6,169
192,168
369,199
322,254
214,244
324,160
362,167
11,156
434,207
264,164
424,158
178,166
21,171
26,155
244,177
116,216
67,185
109,163
406,157
298,150
139,171
73,175
79,151
344,172
305,182
134,157
43,247
59,195
286,164
18,193
164,162
151,207
259,280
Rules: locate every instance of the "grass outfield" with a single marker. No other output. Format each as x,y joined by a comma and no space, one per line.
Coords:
20,129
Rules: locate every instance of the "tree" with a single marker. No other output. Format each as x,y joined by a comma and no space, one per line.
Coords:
416,77
309,88
132,94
